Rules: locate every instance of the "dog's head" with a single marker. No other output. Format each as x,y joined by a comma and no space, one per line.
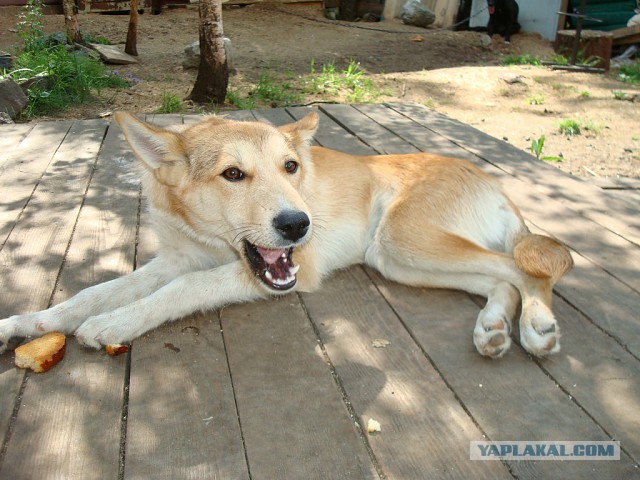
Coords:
239,182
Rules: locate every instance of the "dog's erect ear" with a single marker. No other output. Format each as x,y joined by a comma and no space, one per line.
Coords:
302,131
153,147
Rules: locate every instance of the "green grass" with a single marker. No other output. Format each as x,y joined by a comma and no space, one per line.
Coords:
536,99
272,89
352,82
569,127
630,73
526,59
59,78
64,79
572,126
171,103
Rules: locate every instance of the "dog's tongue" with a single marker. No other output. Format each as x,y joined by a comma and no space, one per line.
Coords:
491,10
270,255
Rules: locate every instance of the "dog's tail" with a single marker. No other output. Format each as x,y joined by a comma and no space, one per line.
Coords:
542,257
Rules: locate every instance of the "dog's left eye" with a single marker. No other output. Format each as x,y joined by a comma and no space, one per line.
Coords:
290,166
233,174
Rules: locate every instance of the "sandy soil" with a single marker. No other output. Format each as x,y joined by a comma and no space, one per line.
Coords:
448,71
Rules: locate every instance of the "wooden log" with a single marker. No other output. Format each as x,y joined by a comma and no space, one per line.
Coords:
593,44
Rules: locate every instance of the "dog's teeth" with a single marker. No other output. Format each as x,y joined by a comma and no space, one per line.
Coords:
284,255
268,275
294,269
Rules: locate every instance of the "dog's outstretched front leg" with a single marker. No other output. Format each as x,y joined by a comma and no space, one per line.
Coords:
67,316
194,291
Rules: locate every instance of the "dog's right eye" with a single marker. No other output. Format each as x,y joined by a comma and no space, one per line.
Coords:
233,174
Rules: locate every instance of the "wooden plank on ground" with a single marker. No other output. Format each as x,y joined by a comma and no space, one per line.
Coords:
425,431
294,422
331,135
616,214
10,138
588,283
23,168
33,254
182,421
59,409
274,116
511,399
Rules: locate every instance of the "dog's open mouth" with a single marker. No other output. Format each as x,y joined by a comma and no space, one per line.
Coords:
274,266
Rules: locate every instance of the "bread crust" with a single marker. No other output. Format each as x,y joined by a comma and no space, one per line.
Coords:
41,354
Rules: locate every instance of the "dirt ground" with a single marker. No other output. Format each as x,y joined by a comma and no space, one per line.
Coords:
450,72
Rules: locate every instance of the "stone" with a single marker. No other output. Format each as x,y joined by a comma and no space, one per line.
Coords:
414,13
12,98
192,55
5,119
112,54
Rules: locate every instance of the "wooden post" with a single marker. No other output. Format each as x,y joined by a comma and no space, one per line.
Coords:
131,47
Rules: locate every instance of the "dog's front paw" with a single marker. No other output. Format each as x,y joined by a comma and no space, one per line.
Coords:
103,330
7,332
539,331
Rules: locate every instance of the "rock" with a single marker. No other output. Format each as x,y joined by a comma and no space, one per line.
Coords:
112,54
192,55
12,98
485,41
5,118
414,13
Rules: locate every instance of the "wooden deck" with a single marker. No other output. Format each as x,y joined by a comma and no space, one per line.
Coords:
283,389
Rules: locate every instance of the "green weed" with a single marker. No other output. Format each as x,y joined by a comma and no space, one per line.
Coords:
630,73
536,99
352,82
270,89
57,78
171,103
569,127
526,59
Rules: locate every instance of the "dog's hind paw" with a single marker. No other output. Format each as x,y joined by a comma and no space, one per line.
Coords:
539,332
491,335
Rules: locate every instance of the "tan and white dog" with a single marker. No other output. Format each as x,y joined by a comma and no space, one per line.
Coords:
245,210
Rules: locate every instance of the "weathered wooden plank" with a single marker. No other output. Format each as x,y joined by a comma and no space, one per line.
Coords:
23,168
511,399
331,135
274,116
164,120
33,254
182,420
588,283
425,431
10,138
360,126
59,409
617,215
293,420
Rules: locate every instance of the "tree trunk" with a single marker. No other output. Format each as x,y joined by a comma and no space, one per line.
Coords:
131,47
71,21
213,71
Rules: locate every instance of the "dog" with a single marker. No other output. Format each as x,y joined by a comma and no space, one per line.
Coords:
245,210
503,18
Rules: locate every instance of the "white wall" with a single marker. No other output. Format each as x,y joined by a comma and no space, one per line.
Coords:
535,16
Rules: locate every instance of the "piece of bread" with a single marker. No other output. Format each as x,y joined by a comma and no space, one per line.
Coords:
116,349
42,353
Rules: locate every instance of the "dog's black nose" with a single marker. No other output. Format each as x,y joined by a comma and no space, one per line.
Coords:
292,224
